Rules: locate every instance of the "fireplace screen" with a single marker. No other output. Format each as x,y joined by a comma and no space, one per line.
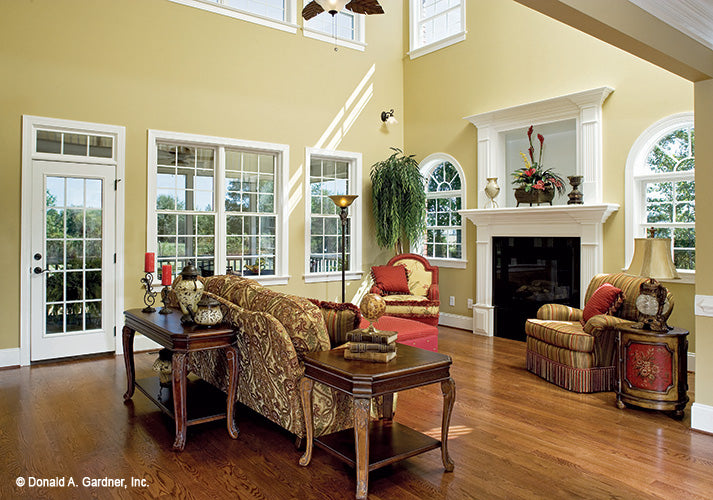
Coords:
529,272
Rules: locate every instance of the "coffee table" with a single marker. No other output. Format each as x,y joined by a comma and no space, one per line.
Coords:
209,403
372,445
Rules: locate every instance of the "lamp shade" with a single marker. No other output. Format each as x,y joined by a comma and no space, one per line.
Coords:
332,6
343,200
652,259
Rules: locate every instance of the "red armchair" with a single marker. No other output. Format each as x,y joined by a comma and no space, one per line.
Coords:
418,297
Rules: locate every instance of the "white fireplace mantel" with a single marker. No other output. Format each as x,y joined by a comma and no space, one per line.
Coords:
578,221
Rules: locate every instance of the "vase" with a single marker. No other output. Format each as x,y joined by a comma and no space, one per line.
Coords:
492,190
534,196
575,196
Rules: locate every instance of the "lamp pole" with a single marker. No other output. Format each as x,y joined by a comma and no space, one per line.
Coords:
343,201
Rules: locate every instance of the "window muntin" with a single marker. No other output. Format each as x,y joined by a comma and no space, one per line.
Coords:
273,9
443,222
328,177
277,14
436,23
666,186
344,24
69,143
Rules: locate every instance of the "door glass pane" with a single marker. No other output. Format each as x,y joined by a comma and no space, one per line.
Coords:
73,253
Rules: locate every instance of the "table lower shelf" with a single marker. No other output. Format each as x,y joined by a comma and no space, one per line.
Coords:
204,402
389,442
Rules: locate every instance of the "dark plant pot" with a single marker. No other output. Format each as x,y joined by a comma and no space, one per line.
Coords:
535,196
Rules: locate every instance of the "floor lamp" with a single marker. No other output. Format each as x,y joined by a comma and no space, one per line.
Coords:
343,201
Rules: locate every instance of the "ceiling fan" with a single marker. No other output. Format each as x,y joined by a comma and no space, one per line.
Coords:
316,7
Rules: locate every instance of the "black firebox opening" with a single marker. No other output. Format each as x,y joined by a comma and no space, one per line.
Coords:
529,272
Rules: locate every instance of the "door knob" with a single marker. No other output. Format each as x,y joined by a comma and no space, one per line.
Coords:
39,270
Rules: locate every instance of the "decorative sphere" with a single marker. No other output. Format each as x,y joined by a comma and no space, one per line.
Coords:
372,306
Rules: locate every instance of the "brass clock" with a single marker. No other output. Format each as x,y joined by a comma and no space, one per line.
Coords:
653,305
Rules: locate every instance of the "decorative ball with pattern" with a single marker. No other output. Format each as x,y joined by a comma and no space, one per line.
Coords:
372,307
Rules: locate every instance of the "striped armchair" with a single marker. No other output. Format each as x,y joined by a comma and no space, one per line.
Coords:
575,357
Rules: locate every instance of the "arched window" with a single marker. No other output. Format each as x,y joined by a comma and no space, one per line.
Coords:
661,188
443,243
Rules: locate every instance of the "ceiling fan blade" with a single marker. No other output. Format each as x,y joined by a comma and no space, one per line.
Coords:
365,7
311,9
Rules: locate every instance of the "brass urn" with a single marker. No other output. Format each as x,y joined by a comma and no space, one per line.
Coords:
188,291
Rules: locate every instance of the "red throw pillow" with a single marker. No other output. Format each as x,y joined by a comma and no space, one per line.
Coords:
605,300
390,279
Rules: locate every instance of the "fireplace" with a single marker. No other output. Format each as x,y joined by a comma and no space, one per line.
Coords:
529,272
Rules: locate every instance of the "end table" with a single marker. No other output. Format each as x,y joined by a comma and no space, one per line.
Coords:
652,369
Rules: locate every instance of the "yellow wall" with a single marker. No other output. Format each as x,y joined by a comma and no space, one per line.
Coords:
513,55
154,64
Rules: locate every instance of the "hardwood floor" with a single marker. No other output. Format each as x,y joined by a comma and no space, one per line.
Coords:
513,435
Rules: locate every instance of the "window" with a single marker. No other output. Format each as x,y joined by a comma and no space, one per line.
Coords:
435,24
661,170
345,29
217,203
332,172
445,195
278,14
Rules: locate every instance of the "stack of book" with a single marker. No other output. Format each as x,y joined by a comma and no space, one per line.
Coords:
374,346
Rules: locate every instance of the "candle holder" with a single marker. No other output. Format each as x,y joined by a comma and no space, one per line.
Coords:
149,294
164,298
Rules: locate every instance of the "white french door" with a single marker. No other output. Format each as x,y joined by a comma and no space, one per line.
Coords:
72,283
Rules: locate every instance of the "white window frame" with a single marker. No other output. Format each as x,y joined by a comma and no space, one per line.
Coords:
289,24
426,167
635,177
281,151
355,262
359,41
418,50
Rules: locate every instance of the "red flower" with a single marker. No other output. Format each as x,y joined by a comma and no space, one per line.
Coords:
541,139
539,185
529,172
529,131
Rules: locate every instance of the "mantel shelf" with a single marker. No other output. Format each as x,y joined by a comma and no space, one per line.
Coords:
541,215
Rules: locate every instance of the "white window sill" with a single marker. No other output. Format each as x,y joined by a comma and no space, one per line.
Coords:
337,276
341,42
263,280
434,46
224,10
687,278
452,263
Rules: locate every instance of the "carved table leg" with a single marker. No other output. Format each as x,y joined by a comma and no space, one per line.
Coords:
448,388
127,337
233,368
179,399
361,443
306,385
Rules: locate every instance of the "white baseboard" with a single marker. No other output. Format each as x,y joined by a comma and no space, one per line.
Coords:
691,361
456,321
702,417
9,357
142,343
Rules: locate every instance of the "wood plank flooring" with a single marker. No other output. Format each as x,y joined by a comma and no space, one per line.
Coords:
512,436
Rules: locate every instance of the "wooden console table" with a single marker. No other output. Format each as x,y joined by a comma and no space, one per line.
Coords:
651,369
373,445
167,330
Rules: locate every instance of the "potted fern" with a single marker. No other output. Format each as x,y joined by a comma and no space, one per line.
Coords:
398,201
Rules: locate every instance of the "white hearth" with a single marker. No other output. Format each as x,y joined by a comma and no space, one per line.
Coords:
578,221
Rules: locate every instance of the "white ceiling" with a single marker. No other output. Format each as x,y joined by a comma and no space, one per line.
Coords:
691,17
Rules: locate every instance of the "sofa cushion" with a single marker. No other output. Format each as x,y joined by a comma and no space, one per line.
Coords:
419,280
565,334
411,304
339,318
390,279
605,300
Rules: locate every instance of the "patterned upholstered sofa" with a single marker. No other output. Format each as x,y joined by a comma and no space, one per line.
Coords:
575,357
276,330
422,303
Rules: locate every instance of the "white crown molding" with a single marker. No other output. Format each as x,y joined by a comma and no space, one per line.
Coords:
693,18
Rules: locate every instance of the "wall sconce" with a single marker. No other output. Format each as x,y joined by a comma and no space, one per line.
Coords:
388,117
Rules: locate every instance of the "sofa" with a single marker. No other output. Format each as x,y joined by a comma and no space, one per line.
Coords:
417,297
275,331
578,357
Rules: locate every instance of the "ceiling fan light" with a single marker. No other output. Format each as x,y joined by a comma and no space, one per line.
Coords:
332,6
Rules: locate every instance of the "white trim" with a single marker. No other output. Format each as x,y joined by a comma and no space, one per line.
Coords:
143,344
418,50
355,181
691,361
30,124
632,193
10,357
426,167
702,417
342,42
282,152
704,305
289,25
456,321
440,44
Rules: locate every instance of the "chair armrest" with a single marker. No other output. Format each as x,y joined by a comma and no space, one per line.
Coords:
339,319
559,312
375,289
433,292
601,322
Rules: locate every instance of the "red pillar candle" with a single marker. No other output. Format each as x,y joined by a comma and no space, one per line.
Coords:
166,274
150,262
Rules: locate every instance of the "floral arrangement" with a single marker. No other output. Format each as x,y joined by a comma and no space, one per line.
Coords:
532,175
